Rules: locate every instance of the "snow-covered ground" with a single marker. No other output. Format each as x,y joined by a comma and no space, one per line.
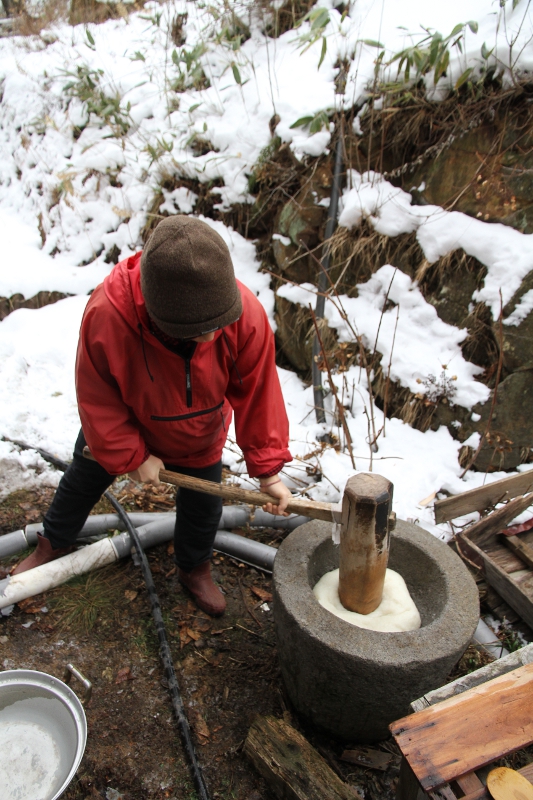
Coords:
68,197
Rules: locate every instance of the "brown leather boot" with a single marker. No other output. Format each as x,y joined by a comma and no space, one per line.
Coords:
206,594
43,553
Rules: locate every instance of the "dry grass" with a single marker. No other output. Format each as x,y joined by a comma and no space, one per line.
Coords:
87,598
74,12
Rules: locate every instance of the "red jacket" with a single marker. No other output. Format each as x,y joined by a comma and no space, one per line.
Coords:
132,392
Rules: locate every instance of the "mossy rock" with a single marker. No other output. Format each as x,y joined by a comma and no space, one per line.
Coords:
487,173
510,439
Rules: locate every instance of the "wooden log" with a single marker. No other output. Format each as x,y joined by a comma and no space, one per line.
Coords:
484,496
364,545
291,767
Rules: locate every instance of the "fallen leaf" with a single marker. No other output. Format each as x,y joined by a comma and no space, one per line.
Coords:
184,637
32,609
124,674
130,595
172,572
194,634
32,605
262,594
200,728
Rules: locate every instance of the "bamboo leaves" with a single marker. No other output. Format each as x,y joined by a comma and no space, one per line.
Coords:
432,54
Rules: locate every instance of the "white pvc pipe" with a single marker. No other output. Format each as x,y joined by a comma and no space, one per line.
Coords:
15,588
485,636
40,579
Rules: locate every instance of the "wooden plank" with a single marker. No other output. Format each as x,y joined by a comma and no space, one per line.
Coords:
444,793
291,767
408,786
519,548
470,730
506,588
476,678
482,531
469,783
503,557
369,757
484,496
513,593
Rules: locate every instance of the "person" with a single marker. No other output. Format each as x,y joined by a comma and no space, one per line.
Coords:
170,345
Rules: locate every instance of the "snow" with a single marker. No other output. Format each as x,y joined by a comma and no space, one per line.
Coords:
507,253
76,185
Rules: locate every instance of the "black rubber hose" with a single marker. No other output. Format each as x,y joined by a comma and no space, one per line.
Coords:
166,655
164,649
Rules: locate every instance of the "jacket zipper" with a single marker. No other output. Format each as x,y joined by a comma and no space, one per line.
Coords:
188,382
188,416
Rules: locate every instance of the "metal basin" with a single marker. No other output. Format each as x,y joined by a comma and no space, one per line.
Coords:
43,731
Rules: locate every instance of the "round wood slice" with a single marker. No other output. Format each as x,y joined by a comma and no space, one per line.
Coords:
507,784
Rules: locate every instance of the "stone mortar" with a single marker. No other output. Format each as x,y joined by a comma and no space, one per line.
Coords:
352,682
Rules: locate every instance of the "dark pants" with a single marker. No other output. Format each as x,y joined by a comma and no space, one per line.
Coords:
85,481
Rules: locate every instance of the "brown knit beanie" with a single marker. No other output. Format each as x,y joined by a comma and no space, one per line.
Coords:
187,278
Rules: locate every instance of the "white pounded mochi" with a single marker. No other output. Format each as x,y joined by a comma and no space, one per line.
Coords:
396,612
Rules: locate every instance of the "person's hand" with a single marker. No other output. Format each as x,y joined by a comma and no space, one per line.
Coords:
277,489
148,472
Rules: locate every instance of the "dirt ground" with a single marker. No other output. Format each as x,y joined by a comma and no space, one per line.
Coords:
227,670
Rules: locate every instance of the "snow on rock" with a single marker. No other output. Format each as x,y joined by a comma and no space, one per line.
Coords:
507,253
410,335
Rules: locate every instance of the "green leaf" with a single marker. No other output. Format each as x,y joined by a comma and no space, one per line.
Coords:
236,74
323,52
515,3
175,58
472,24
464,77
89,36
302,122
194,107
371,42
318,17
456,30
441,67
485,52
138,56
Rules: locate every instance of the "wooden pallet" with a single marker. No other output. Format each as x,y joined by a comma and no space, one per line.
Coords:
507,563
502,568
447,767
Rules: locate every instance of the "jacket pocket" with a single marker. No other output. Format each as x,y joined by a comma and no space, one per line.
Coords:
187,416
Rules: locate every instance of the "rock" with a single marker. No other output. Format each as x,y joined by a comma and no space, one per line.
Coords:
510,439
302,219
294,333
487,173
518,339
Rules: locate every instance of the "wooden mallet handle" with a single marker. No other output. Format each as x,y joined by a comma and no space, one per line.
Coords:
307,508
